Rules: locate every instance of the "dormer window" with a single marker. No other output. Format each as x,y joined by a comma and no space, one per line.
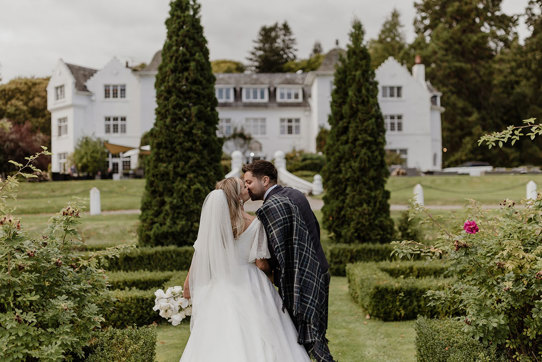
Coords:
224,94
255,94
59,92
392,92
114,91
289,94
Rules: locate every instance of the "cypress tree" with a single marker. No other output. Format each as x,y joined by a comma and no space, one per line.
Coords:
356,205
185,152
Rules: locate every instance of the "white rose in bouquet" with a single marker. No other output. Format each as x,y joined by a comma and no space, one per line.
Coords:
171,305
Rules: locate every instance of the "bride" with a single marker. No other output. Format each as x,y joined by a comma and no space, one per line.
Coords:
236,311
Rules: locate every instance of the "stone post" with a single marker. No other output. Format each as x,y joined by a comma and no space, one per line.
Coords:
531,191
95,203
418,195
317,187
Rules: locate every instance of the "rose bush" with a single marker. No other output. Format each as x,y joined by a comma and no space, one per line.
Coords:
497,262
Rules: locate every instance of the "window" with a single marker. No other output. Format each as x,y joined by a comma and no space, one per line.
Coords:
393,122
115,125
115,91
59,92
403,152
225,127
434,159
255,126
435,100
224,94
62,157
62,127
290,126
126,165
392,92
289,94
255,94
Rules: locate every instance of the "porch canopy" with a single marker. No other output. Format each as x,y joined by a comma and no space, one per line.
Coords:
116,149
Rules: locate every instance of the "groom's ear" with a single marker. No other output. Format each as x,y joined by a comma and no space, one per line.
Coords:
265,180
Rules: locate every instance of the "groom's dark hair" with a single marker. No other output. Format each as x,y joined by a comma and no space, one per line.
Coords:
262,168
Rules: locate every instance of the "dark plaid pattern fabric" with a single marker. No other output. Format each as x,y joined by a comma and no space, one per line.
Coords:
303,286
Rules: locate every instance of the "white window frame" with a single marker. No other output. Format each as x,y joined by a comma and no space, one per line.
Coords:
222,91
62,161
225,127
255,126
392,91
115,125
114,91
394,123
290,126
62,127
255,94
287,94
60,92
402,152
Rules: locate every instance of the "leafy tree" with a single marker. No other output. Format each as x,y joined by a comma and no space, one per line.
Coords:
321,139
274,47
25,99
18,141
90,155
304,65
356,205
316,49
227,66
390,42
463,38
184,164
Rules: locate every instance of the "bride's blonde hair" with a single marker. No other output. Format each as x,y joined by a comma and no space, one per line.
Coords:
232,187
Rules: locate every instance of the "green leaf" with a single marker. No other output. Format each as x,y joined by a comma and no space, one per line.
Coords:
15,163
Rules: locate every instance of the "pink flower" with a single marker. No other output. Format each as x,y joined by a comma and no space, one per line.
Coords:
470,227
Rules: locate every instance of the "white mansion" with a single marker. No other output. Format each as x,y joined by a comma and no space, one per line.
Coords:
281,111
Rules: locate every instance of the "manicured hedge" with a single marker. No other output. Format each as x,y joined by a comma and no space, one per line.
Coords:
130,344
339,255
395,298
442,340
134,306
142,280
164,258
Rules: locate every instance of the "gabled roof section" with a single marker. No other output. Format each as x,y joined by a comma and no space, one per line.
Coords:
81,75
155,62
331,59
264,79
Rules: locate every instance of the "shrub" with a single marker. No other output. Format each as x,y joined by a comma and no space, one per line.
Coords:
408,227
444,340
142,280
395,298
497,260
50,296
134,307
339,255
126,345
164,258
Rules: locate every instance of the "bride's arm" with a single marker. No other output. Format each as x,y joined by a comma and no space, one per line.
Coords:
264,266
186,287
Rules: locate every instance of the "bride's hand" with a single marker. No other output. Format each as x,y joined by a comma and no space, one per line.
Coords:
186,288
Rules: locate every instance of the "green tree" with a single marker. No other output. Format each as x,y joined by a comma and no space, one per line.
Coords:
316,49
184,164
304,65
227,66
390,42
25,99
356,204
90,155
463,38
274,47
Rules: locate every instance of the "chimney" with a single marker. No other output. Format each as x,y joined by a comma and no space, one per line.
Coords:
418,70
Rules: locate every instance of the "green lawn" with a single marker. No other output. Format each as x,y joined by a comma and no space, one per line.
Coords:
352,337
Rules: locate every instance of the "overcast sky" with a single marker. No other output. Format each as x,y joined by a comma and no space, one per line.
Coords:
34,34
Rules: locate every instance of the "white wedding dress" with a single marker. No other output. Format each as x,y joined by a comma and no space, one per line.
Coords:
237,313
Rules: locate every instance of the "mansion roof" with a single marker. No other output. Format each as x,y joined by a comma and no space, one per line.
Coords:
81,75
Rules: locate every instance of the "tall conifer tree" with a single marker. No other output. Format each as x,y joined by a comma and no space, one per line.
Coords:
356,205
390,42
185,152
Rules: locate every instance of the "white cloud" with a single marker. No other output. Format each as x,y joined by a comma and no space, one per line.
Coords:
35,34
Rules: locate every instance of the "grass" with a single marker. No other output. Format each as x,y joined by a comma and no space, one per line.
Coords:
50,197
352,337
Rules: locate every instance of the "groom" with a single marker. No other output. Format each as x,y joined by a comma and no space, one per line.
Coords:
299,265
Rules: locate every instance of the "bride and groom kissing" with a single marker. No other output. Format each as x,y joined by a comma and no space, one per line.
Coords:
237,314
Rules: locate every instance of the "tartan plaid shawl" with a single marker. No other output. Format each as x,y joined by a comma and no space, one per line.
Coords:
300,279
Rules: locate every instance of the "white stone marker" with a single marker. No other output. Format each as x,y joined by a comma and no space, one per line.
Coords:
95,203
317,187
236,160
531,190
418,194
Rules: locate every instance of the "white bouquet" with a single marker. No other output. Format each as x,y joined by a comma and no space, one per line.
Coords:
172,305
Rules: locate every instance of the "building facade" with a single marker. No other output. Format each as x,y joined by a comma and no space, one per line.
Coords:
280,111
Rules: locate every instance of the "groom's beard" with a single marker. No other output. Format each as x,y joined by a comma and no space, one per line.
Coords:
255,197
